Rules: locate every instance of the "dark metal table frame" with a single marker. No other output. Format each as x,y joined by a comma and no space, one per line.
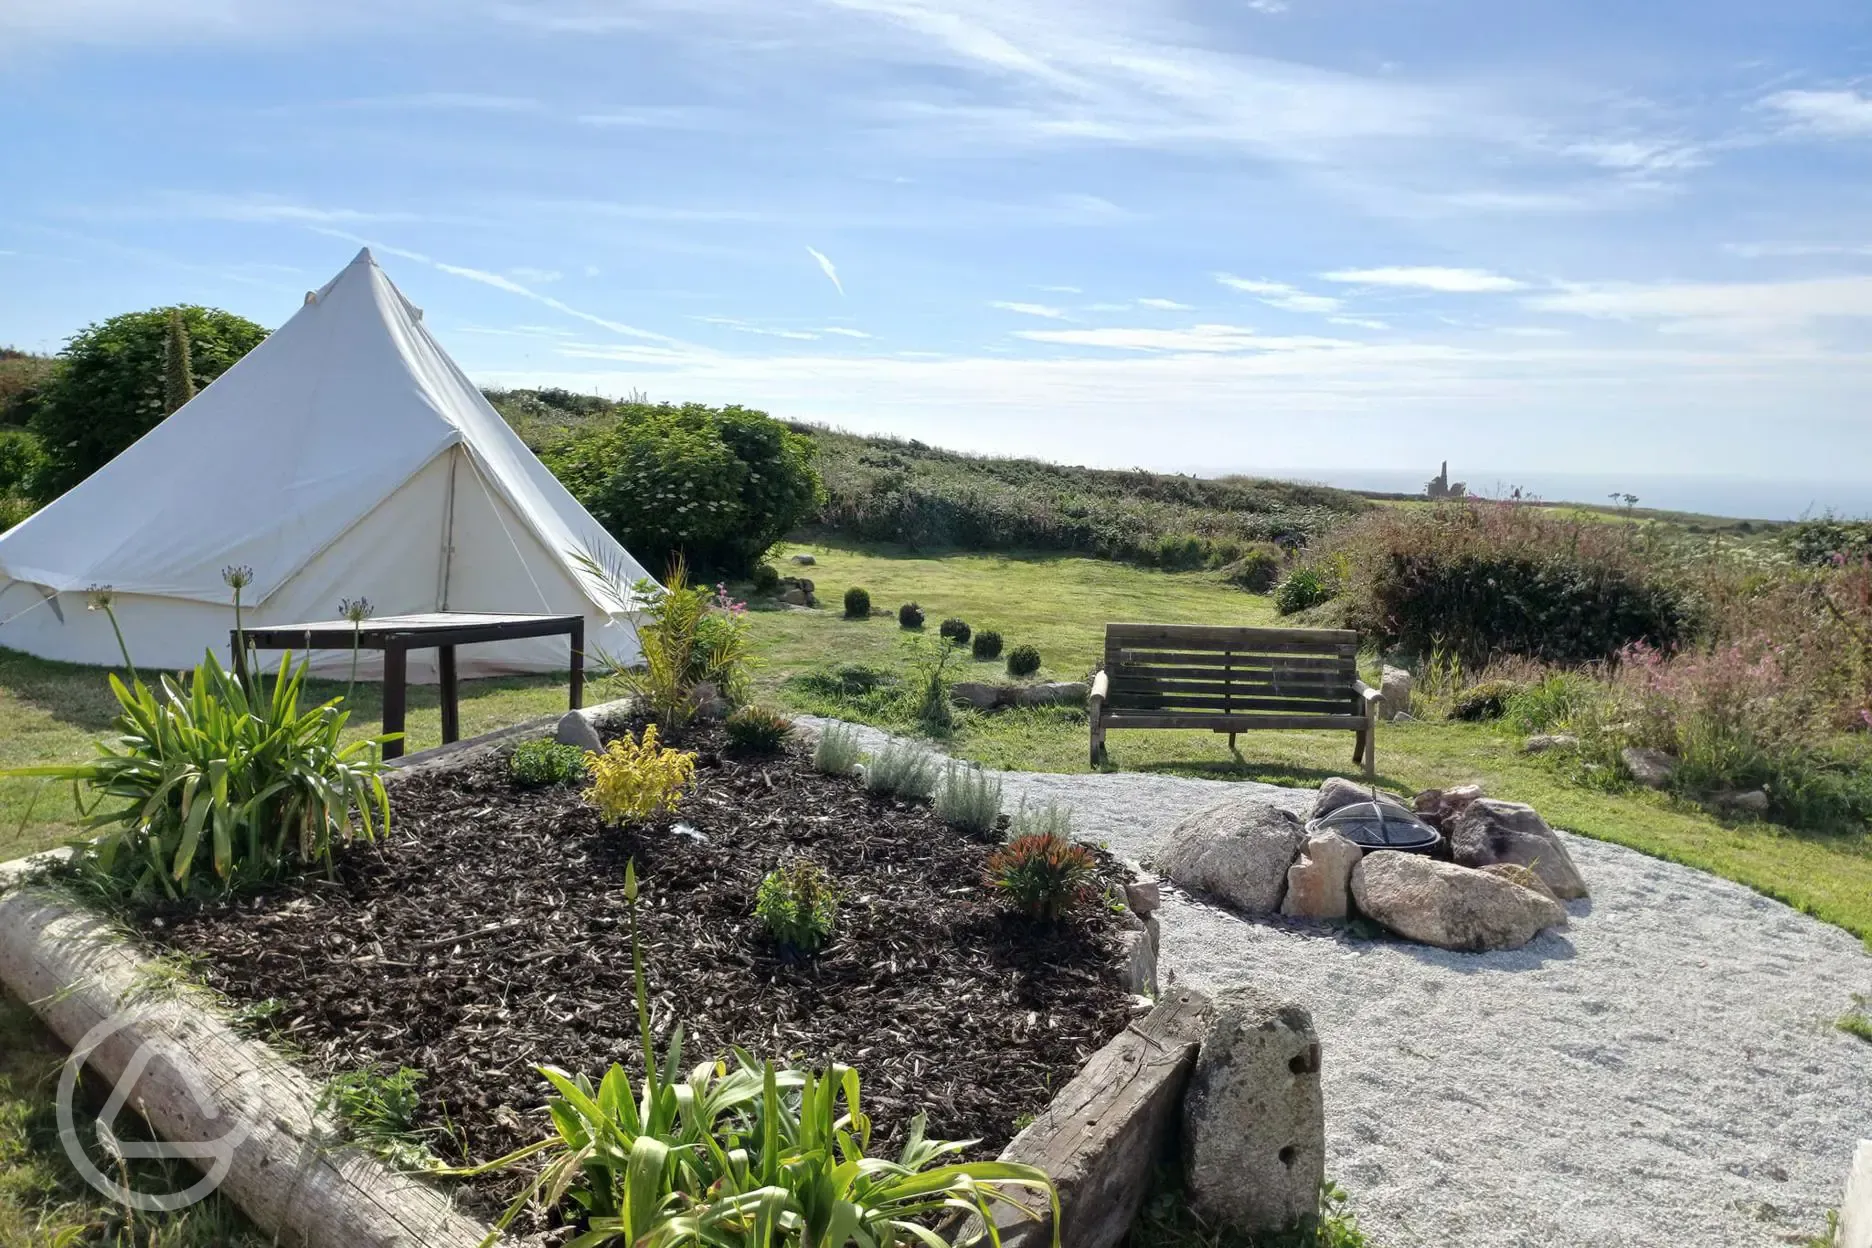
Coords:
442,631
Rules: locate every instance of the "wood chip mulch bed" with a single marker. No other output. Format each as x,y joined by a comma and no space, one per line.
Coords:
489,934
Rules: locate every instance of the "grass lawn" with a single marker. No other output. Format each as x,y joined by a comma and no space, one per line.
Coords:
51,711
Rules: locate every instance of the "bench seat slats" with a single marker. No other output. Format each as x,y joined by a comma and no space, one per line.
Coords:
1199,636
1216,702
1127,680
1230,723
1240,660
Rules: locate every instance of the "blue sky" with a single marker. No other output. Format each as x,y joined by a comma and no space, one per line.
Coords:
1293,236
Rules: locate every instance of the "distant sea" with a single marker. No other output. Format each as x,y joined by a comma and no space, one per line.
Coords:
1750,498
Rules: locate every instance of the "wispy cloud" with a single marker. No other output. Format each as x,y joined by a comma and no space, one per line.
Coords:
1204,339
844,331
1421,277
499,282
1720,307
434,101
1639,156
528,273
1280,294
826,267
1759,251
1834,114
260,208
1061,290
663,117
1358,322
1030,309
1163,305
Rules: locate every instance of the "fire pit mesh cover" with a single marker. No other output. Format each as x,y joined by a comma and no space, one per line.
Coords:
1378,825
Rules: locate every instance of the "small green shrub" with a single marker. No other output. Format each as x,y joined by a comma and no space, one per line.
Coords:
910,616
837,750
758,729
1305,587
929,662
968,798
633,780
1051,819
1856,1021
956,630
1023,661
1488,699
857,604
1257,570
766,578
987,644
901,769
1553,702
1041,875
542,763
798,904
378,1110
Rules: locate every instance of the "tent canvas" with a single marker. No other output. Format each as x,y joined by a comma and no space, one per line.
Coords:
345,456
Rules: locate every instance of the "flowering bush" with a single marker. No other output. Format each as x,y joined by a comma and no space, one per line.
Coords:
1043,875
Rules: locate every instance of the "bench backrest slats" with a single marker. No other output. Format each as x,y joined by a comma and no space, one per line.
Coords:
1216,672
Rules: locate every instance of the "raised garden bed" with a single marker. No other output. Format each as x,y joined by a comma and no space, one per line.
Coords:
489,934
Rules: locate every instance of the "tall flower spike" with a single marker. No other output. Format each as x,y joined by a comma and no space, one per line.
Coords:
356,610
237,576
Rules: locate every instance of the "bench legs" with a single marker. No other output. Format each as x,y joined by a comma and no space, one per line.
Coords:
1365,748
1098,741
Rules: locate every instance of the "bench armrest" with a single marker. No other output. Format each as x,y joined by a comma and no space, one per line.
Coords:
1372,696
1101,689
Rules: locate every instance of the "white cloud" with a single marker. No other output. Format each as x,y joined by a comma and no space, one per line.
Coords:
1268,6
1030,309
1836,114
743,327
843,331
1164,305
1280,294
1422,277
661,117
527,273
1759,251
439,101
591,270
1358,322
1060,290
263,208
825,266
1639,155
1197,338
1741,308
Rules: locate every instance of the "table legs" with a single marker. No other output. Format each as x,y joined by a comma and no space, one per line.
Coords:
395,697
451,696
578,664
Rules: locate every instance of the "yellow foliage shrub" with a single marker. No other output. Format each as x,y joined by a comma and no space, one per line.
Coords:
634,780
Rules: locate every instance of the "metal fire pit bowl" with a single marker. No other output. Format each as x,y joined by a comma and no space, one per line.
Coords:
1378,825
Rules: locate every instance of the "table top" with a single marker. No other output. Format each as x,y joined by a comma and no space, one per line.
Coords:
433,626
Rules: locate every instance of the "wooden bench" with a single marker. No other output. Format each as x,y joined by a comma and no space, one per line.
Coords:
1233,680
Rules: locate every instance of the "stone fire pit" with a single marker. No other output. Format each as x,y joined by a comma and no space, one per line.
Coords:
1494,878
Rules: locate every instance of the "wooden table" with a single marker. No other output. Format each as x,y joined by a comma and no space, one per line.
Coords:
397,635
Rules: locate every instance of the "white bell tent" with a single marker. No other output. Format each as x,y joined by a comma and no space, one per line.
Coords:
346,456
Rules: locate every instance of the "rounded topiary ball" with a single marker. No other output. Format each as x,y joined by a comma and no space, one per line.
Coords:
910,616
1023,661
987,644
766,578
857,604
955,630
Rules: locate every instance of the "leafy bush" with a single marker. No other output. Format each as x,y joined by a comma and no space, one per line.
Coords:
987,644
857,604
14,510
633,780
1023,661
837,751
735,1153
1042,875
901,769
1552,702
210,779
1305,587
1486,699
23,378
715,485
910,616
1824,540
929,663
686,636
21,461
969,798
1482,579
109,389
542,763
766,578
956,630
1257,570
798,904
378,1109
758,729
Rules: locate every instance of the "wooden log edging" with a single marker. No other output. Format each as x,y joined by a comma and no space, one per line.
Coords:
457,753
282,1168
1104,1132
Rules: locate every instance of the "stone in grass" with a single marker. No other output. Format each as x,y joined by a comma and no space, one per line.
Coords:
575,729
1254,1123
805,561
1451,907
1751,802
1490,831
1237,850
1339,792
1317,885
1395,687
1541,743
1052,693
1651,768
1142,895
